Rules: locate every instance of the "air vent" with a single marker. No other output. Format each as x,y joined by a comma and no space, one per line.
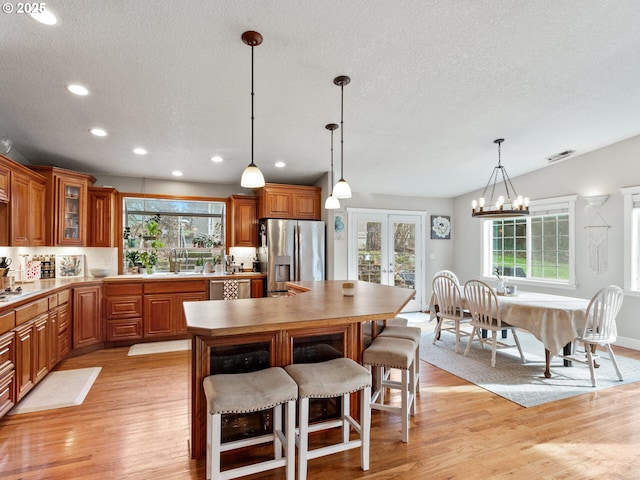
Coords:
560,156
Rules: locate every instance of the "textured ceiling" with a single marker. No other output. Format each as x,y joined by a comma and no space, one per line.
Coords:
433,83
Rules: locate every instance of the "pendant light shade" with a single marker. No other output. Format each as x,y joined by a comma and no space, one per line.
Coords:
506,206
252,176
342,188
332,203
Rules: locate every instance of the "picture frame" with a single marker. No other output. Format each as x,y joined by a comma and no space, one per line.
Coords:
440,227
70,266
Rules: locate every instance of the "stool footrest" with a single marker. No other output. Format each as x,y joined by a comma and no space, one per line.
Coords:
331,449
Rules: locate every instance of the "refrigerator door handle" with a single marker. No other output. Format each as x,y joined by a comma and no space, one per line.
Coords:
296,253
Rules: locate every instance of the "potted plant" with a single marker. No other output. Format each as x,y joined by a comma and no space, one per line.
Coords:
133,259
130,240
149,260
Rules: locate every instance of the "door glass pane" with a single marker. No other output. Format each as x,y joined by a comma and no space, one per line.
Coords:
369,237
404,255
71,212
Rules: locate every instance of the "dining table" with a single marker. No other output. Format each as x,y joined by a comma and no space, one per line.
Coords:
555,320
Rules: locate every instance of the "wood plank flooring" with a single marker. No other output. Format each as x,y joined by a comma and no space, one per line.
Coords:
134,424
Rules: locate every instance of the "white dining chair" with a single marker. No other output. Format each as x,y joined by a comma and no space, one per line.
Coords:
599,328
450,312
485,315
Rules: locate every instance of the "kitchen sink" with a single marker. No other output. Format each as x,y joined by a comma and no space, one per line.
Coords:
11,295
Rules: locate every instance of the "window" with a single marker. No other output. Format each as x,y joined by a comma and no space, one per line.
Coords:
195,228
631,197
538,247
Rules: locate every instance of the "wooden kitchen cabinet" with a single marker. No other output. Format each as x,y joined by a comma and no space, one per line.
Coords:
59,327
101,217
66,205
4,181
7,372
163,312
87,316
124,311
257,287
22,219
289,202
243,220
42,332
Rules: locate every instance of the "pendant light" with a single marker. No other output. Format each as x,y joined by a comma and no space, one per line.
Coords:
342,188
252,176
509,205
332,203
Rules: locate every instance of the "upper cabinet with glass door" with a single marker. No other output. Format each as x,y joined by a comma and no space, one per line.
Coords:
66,208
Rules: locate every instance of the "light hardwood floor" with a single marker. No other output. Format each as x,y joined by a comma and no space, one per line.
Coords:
134,424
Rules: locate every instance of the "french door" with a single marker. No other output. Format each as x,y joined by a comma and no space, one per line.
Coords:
386,248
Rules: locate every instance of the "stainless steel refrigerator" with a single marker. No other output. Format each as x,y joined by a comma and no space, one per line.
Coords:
291,250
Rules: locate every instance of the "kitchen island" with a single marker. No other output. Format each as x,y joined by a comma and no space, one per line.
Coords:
250,334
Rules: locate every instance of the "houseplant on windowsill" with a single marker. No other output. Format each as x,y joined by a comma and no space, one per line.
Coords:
133,259
149,261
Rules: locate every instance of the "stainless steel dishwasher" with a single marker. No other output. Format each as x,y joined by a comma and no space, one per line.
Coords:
217,290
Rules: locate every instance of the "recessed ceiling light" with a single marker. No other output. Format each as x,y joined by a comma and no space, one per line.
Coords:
78,89
280,164
216,159
140,151
176,173
42,15
99,132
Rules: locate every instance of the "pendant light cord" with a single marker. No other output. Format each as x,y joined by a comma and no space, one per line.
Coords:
341,131
252,116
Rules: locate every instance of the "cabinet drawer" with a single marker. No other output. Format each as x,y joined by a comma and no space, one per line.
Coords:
124,307
177,286
7,321
53,301
114,289
7,346
7,390
127,329
63,297
31,310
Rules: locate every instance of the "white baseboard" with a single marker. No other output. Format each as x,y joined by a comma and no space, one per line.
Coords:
626,342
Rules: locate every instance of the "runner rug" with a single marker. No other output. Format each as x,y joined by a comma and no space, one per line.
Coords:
64,388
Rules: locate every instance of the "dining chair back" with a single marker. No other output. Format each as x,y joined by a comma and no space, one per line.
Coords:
447,273
599,328
482,302
450,307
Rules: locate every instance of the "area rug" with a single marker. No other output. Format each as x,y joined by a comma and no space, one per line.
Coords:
159,347
523,384
65,388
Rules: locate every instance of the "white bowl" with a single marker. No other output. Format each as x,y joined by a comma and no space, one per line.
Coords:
99,272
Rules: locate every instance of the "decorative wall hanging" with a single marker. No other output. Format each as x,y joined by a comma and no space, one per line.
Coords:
440,227
598,233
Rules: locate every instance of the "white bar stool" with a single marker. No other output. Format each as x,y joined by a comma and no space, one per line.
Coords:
393,353
408,333
334,378
246,393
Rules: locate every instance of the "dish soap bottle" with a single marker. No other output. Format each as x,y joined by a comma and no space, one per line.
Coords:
500,286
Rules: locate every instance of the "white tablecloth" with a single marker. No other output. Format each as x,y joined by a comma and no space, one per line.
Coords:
553,319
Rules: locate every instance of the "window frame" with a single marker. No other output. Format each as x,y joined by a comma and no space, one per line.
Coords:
564,204
630,196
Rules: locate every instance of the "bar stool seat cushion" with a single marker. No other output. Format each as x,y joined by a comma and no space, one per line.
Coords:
408,333
397,322
390,352
329,379
249,392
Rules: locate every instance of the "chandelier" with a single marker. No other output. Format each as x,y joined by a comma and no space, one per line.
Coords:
509,205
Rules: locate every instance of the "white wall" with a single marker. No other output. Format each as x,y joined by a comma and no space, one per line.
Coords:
603,171
437,254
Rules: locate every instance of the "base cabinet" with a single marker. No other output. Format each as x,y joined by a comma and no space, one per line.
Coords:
164,315
25,359
87,316
7,372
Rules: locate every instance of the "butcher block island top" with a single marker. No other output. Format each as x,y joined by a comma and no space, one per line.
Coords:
319,304
277,327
